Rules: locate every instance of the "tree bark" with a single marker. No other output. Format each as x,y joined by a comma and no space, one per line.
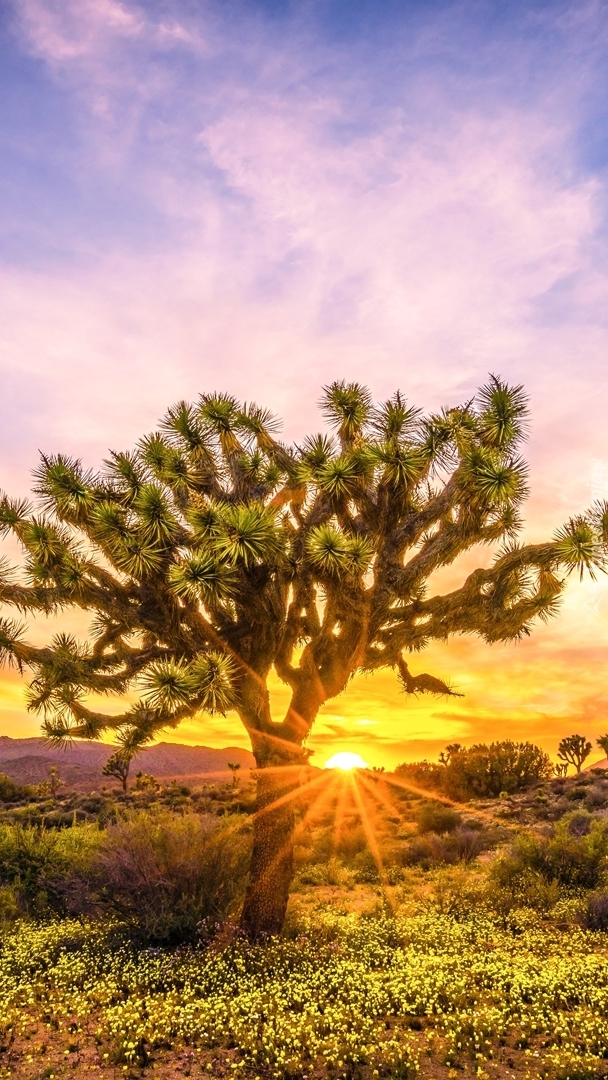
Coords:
271,868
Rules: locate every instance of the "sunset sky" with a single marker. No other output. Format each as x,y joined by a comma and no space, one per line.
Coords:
262,196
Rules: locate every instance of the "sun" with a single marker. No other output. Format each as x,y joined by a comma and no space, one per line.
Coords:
346,760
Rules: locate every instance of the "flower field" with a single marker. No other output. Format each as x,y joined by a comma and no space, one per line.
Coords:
422,993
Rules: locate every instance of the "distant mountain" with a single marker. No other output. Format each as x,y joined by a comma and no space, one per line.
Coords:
31,769
80,763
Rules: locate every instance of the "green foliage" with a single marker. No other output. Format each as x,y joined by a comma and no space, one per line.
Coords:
504,411
578,544
11,633
575,854
203,577
347,407
438,818
46,869
10,791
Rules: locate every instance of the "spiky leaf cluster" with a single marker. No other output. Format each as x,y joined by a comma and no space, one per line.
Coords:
212,552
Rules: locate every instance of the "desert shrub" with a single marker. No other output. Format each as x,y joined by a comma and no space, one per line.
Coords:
165,873
47,870
331,873
10,792
482,771
456,892
575,854
351,841
438,818
424,774
596,799
578,823
463,845
322,846
576,794
509,887
366,869
10,908
595,913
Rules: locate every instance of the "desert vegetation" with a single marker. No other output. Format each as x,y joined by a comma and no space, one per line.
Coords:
425,936
448,917
213,553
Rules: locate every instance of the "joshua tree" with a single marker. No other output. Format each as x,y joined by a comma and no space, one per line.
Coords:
602,742
131,739
145,782
574,750
234,768
446,756
54,780
213,552
118,765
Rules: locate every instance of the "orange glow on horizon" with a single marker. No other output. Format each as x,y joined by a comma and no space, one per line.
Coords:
540,689
345,760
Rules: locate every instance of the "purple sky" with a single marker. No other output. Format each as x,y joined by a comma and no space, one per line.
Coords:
260,197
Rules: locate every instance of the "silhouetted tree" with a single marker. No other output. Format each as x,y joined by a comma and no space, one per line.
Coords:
234,768
602,742
574,750
213,552
131,739
118,766
450,751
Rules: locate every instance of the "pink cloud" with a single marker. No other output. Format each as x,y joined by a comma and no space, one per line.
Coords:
63,32
419,249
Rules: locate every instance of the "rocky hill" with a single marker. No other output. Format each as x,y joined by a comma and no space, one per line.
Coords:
26,761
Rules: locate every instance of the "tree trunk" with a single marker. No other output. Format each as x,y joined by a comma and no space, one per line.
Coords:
271,868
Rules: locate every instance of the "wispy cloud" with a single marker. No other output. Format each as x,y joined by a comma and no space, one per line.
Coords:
263,199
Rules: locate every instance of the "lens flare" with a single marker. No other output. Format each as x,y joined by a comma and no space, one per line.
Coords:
346,761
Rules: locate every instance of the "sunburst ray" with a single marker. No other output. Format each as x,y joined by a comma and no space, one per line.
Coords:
370,836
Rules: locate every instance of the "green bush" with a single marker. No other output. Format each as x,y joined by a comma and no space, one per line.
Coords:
437,818
11,792
165,873
47,870
331,873
575,854
512,885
